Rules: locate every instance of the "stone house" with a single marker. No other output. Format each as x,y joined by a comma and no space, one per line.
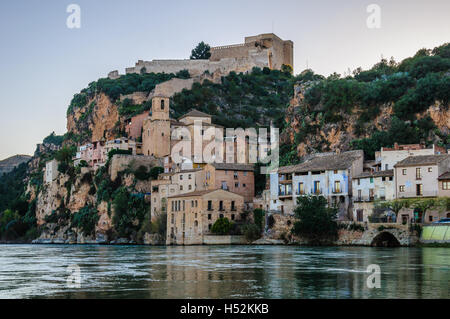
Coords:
417,176
388,157
236,178
124,144
329,175
134,125
444,185
420,177
51,171
191,216
92,153
172,184
368,188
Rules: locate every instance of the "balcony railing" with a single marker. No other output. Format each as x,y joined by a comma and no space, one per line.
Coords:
415,194
316,191
337,191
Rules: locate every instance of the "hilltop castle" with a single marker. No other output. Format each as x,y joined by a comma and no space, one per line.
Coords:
264,50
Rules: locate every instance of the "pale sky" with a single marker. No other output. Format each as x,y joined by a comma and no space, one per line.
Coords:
43,63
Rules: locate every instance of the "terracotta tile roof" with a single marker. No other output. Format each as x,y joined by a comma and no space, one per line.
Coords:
422,160
323,163
233,167
194,113
444,176
388,173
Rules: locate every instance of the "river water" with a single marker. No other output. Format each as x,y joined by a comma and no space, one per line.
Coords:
31,271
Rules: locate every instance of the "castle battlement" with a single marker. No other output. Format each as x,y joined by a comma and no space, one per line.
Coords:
264,50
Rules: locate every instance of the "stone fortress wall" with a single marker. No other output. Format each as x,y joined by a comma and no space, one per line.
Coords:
264,50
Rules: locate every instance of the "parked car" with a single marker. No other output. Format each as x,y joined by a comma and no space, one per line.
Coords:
443,221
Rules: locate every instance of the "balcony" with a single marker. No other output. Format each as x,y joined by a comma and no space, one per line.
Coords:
300,193
316,191
337,191
415,194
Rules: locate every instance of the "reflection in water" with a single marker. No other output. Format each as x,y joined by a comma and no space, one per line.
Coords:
28,271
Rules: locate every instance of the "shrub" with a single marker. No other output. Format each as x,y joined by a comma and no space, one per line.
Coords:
316,222
221,227
86,219
258,216
251,232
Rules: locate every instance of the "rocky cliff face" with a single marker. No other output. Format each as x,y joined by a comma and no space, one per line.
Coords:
323,137
98,119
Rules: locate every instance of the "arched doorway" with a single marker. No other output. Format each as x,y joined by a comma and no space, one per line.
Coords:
385,239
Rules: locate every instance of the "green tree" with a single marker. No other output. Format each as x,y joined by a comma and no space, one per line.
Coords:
221,227
251,232
258,217
316,221
201,52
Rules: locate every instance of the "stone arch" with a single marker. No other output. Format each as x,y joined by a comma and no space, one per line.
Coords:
385,239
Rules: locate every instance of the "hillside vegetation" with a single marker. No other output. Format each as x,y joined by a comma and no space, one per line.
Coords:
401,92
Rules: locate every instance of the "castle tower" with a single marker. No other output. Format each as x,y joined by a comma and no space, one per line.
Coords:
156,134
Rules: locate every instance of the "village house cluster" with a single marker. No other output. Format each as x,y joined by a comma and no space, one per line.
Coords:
354,186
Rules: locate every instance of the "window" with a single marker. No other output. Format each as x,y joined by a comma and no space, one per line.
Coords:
371,180
196,224
236,185
190,187
233,205
210,205
232,217
446,185
209,216
162,104
235,175
189,176
244,185
386,167
209,226
172,219
245,173
430,218
181,187
430,169
418,173
301,188
419,190
316,189
221,205
221,216
404,171
359,182
335,172
192,203
359,194
337,186
360,215
224,185
401,188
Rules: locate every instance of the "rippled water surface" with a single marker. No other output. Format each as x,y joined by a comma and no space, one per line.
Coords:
28,271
